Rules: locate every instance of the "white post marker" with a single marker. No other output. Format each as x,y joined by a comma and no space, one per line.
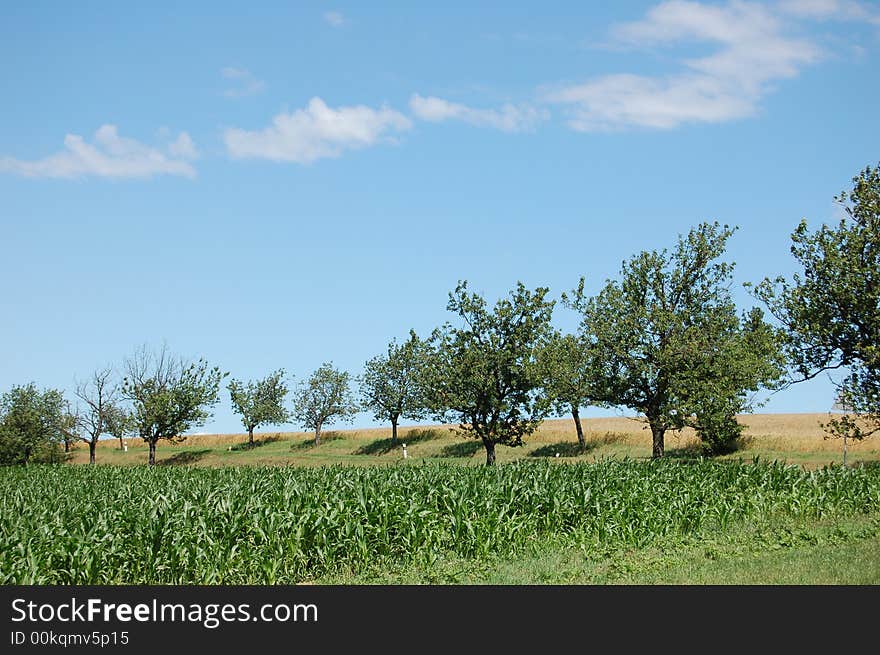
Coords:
404,451
841,405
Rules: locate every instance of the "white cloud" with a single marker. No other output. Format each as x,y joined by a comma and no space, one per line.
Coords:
183,147
752,52
509,118
109,156
315,132
246,83
334,18
831,9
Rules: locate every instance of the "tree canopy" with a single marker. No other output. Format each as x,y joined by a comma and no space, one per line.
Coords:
569,371
30,424
324,397
259,402
671,343
392,383
831,312
484,374
169,395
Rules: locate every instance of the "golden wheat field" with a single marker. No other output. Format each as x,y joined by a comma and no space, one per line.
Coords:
794,438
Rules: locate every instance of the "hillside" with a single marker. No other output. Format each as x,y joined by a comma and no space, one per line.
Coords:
795,438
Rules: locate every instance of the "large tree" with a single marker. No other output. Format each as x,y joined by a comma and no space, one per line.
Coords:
831,312
323,398
569,370
484,374
169,395
671,343
259,402
391,385
30,425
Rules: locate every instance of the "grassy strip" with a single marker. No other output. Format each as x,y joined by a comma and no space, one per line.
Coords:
843,552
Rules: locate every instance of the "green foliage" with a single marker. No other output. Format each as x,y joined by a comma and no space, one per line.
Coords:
718,428
485,374
260,402
831,312
670,342
569,371
169,395
392,384
287,525
325,397
30,425
121,422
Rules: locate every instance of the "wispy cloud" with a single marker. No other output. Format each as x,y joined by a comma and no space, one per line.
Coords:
831,10
752,52
316,132
245,82
509,118
334,18
110,155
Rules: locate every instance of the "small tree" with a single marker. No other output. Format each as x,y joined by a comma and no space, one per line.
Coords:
169,395
101,398
671,344
568,368
30,425
325,397
831,313
259,402
391,385
121,424
69,426
484,375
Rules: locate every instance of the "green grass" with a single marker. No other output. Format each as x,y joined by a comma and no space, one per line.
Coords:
848,554
611,521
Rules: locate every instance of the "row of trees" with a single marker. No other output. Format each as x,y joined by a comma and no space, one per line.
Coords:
665,340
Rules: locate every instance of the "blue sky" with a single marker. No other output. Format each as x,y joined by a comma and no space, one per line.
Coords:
286,184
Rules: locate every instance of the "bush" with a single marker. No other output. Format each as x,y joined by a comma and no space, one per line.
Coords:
720,434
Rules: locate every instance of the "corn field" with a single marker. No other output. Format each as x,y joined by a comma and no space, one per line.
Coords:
107,525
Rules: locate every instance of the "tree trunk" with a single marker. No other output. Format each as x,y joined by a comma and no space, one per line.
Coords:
152,460
92,445
575,414
120,443
66,446
393,431
251,437
657,433
490,451
318,435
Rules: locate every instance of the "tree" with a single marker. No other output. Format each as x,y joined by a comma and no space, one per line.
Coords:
568,368
671,343
30,422
831,313
68,426
101,397
323,398
391,385
169,395
121,424
259,402
484,375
